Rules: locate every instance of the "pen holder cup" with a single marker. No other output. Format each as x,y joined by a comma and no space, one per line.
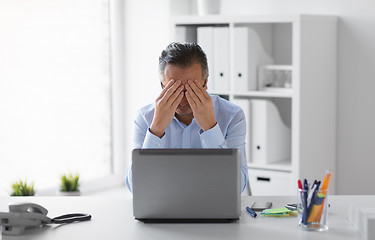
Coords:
313,210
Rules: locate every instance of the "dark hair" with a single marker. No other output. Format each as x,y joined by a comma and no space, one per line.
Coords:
183,55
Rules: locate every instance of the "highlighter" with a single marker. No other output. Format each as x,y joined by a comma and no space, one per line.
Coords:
324,188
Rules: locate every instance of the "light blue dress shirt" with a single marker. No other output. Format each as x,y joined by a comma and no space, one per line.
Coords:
229,132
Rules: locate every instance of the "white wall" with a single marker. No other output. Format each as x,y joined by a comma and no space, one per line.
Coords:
147,33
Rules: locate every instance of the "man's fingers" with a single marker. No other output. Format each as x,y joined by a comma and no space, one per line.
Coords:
192,94
165,88
178,100
191,102
175,95
198,90
171,90
205,93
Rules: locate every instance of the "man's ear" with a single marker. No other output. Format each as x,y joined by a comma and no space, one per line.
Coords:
205,84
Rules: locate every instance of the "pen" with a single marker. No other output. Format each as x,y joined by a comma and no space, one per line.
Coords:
299,184
326,180
305,193
313,191
316,207
291,206
313,200
252,213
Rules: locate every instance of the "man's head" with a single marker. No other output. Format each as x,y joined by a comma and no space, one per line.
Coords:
183,55
183,61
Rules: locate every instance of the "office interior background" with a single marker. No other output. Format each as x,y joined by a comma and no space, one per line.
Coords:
74,73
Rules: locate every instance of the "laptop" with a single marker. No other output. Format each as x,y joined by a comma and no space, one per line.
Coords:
186,185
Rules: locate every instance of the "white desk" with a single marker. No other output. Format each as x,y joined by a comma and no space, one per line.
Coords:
112,218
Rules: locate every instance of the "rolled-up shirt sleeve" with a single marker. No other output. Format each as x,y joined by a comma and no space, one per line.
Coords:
212,138
153,141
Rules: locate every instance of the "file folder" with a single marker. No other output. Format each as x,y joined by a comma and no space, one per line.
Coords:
248,53
205,39
221,58
270,137
241,59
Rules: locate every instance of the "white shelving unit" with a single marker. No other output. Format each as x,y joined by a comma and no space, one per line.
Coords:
303,48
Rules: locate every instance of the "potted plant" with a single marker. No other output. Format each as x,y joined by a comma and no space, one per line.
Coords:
22,188
70,185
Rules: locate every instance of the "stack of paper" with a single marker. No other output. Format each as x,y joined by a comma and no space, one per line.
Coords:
277,212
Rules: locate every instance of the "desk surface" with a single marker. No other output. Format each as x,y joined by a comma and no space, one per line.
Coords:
112,218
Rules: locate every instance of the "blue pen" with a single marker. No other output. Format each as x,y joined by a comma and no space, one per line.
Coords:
304,200
313,201
252,213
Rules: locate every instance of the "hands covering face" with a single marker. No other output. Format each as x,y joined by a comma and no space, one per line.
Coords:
202,105
165,107
169,99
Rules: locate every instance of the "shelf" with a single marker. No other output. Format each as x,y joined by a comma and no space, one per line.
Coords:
277,93
238,19
277,67
284,166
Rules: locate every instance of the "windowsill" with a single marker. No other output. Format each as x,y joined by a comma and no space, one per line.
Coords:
117,192
112,185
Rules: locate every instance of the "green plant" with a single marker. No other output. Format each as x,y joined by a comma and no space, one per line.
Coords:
69,183
21,188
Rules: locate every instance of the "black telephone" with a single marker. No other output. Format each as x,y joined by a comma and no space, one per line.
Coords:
22,216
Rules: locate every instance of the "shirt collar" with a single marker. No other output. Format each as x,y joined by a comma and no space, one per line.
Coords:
183,125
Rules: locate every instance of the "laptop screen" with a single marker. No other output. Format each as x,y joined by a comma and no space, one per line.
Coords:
186,183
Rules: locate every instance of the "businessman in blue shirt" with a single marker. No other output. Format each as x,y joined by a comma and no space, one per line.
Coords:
184,115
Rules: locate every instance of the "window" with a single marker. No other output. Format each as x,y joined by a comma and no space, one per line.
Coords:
55,91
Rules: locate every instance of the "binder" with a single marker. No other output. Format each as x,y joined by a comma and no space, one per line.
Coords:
241,59
221,58
249,52
270,137
205,39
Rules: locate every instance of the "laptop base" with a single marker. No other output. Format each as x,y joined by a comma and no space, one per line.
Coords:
187,220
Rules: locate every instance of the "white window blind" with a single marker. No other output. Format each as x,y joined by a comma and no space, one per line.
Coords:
55,86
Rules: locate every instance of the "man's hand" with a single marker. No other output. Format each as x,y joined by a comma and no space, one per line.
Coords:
165,107
201,104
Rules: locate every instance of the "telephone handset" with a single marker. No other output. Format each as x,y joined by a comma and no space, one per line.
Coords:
28,207
22,216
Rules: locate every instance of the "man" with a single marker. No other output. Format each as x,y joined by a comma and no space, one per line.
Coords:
184,115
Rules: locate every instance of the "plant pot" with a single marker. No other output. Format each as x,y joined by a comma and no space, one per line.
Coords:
75,193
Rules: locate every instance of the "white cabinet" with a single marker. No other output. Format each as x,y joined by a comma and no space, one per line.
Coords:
282,71
271,183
